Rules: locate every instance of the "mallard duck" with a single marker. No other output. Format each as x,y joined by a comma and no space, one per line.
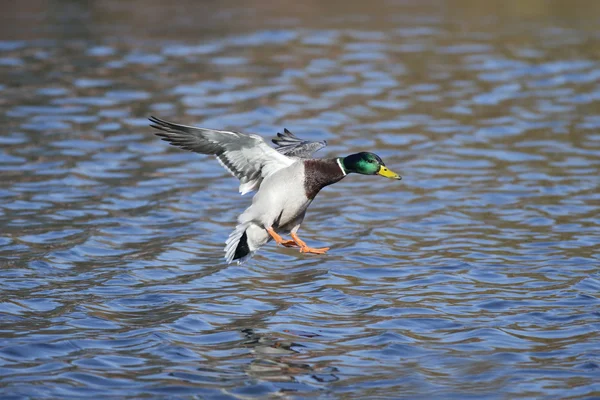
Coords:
286,180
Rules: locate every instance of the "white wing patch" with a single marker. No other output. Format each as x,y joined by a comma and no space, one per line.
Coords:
252,164
246,156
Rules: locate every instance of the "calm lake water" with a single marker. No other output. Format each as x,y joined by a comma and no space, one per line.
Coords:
476,276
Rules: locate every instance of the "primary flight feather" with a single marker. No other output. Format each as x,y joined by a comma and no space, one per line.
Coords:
286,180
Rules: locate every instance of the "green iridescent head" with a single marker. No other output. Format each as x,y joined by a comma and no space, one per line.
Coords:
367,164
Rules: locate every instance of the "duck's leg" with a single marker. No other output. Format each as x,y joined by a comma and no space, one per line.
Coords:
304,247
279,240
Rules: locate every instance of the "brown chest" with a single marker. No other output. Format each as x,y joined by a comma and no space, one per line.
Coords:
320,173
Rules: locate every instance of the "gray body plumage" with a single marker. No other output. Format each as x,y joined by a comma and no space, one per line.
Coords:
280,203
278,175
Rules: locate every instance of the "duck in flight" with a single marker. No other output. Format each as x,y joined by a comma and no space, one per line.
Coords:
286,180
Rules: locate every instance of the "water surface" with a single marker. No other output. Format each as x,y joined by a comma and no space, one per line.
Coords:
476,276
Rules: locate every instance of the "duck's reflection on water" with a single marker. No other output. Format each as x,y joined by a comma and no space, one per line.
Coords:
281,360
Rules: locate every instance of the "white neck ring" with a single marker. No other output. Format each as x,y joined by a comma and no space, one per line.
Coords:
341,167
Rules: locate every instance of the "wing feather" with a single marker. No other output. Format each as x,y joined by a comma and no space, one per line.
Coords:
292,146
246,156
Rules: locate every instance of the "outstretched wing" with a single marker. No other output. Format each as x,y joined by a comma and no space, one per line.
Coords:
292,146
247,157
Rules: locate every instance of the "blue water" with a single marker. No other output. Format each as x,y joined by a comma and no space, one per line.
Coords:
476,276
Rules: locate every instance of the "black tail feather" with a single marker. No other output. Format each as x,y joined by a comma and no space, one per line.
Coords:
242,249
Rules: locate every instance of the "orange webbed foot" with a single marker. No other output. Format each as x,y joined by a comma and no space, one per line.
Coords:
304,248
279,240
313,250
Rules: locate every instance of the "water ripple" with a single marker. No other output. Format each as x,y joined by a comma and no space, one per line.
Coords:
475,277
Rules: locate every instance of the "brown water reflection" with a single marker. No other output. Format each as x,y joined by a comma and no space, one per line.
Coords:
477,276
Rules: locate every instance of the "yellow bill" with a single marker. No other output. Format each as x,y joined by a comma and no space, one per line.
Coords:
388,173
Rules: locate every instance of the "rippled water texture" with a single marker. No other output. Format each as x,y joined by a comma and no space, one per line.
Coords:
477,276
